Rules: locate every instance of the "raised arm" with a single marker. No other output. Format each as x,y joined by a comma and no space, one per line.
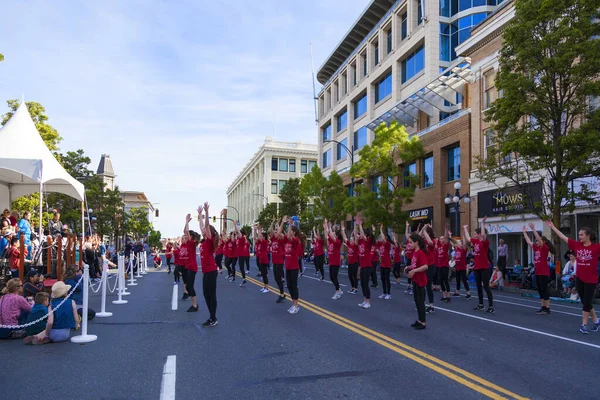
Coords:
206,232
466,233
482,227
427,238
526,236
538,238
446,233
557,231
344,233
407,231
186,228
381,235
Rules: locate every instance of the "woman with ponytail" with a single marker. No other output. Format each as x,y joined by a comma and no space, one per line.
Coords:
417,271
208,245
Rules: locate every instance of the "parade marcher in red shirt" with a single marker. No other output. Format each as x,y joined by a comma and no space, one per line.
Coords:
261,248
243,252
385,246
208,244
319,254
397,259
277,257
178,269
292,249
481,245
334,246
417,272
187,254
443,264
408,252
374,258
541,248
219,254
169,256
460,266
231,256
365,241
429,237
352,246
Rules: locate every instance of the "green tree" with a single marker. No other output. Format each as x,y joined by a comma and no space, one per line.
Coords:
267,215
545,128
154,239
327,195
292,202
138,223
384,160
38,114
1,57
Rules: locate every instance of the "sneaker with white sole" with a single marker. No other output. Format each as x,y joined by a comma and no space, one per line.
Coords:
366,305
381,296
388,297
362,304
295,310
290,309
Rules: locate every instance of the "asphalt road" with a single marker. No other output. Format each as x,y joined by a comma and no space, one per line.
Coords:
331,349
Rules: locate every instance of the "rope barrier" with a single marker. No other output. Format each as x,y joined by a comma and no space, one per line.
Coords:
116,283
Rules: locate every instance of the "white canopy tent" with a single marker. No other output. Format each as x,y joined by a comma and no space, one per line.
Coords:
27,166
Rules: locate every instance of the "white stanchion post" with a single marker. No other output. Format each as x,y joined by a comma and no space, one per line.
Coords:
138,264
132,281
144,263
84,337
121,282
103,312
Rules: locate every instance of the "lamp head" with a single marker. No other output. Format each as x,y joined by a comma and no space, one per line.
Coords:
457,186
447,200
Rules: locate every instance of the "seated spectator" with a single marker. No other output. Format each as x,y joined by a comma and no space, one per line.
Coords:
574,295
13,309
14,254
497,281
157,261
568,272
39,309
5,242
62,319
71,278
5,220
14,218
515,273
32,283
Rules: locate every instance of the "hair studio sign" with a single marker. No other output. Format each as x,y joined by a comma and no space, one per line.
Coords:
509,200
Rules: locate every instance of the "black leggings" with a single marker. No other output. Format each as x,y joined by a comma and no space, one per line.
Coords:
176,273
219,260
291,277
244,261
443,273
462,276
263,272
278,274
431,273
352,274
230,263
209,289
482,278
542,286
169,263
385,279
365,273
586,294
181,275
333,275
374,273
396,270
319,260
300,264
189,279
419,296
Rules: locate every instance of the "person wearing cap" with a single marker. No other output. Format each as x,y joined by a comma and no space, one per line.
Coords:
55,226
62,319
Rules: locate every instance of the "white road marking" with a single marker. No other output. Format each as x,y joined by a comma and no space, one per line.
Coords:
324,280
554,311
175,297
167,387
520,328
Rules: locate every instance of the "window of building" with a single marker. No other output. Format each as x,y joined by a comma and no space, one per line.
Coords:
383,88
274,164
489,141
409,170
448,41
375,184
303,166
490,94
311,164
404,30
465,24
428,172
419,12
327,159
360,138
341,151
376,53
445,8
283,164
354,74
344,83
342,121
326,133
273,186
292,165
281,185
389,38
364,60
413,64
454,163
360,106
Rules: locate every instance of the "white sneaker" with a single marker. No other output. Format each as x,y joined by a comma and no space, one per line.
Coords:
362,304
388,297
381,296
290,309
295,310
366,305
264,290
335,296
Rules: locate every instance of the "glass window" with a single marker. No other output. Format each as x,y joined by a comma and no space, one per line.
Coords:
327,159
292,165
404,29
419,12
464,5
389,41
376,54
375,184
342,121
428,172
354,79
365,69
409,170
311,164
360,106
273,186
383,88
283,164
360,138
327,132
274,164
489,141
281,185
341,151
489,88
413,64
444,8
454,163
447,52
303,166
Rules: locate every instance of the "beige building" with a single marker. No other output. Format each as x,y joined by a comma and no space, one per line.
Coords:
261,180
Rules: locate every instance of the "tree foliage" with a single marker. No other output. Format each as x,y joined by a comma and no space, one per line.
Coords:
38,115
267,215
154,239
1,57
545,129
137,222
292,202
327,195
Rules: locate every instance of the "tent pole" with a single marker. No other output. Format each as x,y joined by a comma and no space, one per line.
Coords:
40,230
82,220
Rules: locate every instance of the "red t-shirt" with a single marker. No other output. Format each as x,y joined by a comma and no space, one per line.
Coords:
364,253
176,258
418,260
169,252
480,253
243,247
14,258
352,253
262,251
207,258
187,255
157,259
460,259
408,253
220,248
292,251
540,259
374,254
333,251
277,251
587,261
318,247
442,255
397,257
231,249
431,254
384,252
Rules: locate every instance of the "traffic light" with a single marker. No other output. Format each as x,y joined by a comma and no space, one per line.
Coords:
214,219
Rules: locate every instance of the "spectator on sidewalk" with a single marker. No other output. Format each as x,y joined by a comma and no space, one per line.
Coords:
24,229
39,309
497,280
13,309
63,318
32,284
55,226
15,256
71,279
568,272
5,220
502,254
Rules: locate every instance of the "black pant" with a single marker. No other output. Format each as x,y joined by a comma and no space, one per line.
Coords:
219,260
542,286
365,273
230,263
263,272
189,279
385,279
333,275
482,277
396,270
502,265
431,273
176,274
352,274
586,294
244,261
374,273
291,277
278,274
419,296
182,274
462,276
443,273
300,264
169,264
209,289
319,260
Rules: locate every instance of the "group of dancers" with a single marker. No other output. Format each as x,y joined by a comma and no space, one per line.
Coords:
427,259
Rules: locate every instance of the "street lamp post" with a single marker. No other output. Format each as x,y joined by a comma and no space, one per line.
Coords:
456,199
351,153
236,210
264,197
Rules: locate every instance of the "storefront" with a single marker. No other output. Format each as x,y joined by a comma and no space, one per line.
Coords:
420,216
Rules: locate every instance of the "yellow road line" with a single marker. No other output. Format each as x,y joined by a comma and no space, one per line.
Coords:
420,357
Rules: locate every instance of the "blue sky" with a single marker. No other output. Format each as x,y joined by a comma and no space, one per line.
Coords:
179,93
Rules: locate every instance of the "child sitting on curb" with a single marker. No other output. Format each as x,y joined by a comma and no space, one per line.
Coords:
62,320
39,309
